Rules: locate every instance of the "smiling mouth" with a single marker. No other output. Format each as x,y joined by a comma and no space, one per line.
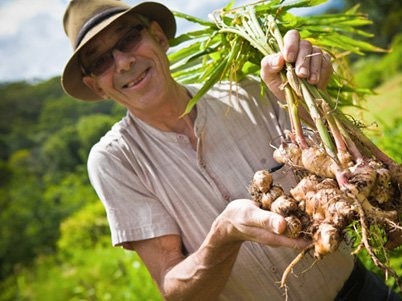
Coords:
137,80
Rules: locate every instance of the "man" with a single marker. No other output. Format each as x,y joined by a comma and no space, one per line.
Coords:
174,188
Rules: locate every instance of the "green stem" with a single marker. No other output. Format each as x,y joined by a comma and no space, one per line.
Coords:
289,92
336,134
315,115
344,157
351,145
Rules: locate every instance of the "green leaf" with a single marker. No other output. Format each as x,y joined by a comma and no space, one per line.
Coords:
193,19
210,58
191,36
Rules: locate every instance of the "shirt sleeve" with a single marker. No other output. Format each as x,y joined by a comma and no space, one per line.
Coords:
134,213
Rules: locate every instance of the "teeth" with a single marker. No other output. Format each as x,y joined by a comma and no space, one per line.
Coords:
131,84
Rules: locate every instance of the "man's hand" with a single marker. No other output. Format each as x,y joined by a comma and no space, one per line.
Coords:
243,220
309,63
181,277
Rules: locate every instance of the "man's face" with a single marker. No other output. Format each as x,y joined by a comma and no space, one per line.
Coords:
128,63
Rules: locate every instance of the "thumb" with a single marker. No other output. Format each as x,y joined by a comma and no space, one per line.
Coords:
270,221
277,224
271,65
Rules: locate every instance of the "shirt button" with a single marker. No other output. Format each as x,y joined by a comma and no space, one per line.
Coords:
273,269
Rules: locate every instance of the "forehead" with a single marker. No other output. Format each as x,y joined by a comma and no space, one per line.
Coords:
110,34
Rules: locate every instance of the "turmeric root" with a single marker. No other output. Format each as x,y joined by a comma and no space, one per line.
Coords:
326,240
316,161
268,198
318,208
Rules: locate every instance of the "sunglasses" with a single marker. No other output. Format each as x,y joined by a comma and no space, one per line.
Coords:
106,60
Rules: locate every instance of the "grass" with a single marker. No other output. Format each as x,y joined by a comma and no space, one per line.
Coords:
382,117
384,108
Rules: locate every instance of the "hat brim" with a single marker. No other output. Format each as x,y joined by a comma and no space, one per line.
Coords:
71,79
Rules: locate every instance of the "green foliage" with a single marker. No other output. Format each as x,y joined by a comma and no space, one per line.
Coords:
102,274
85,267
42,166
65,111
68,195
394,260
85,229
390,139
372,71
90,129
60,150
233,43
21,237
33,208
386,16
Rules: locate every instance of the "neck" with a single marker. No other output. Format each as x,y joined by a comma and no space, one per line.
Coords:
168,117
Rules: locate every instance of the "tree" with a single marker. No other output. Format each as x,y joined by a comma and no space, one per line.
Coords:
90,129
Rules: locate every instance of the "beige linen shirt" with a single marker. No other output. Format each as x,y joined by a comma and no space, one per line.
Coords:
153,183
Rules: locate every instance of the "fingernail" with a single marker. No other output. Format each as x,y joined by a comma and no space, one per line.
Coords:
303,72
313,78
278,225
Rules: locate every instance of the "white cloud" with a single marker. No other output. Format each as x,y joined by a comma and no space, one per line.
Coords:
32,41
15,12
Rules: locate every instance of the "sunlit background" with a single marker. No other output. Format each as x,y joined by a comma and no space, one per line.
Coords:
54,237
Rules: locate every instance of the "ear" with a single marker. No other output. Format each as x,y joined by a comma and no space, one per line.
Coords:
159,35
91,83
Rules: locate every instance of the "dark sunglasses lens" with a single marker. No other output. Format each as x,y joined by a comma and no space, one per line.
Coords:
101,64
126,43
130,40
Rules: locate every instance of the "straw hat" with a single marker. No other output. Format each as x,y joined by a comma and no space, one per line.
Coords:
84,19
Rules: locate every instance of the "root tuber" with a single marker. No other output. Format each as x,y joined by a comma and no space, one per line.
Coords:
320,209
326,240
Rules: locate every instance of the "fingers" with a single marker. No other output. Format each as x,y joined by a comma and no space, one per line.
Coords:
267,227
270,67
309,61
315,65
283,241
326,71
267,220
248,222
291,42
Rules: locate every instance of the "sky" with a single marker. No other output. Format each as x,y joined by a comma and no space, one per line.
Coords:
33,45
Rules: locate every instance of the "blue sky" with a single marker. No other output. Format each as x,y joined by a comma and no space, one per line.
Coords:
32,41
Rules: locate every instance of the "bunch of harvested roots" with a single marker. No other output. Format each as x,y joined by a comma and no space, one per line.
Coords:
332,194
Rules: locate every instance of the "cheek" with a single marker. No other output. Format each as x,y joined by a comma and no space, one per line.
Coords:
108,87
162,62
105,82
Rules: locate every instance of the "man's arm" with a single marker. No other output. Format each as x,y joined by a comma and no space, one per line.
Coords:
203,274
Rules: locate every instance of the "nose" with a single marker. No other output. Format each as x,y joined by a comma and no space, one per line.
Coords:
123,60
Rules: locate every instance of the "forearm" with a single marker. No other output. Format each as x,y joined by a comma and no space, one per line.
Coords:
203,274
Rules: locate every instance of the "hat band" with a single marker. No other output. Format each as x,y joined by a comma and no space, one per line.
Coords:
95,21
